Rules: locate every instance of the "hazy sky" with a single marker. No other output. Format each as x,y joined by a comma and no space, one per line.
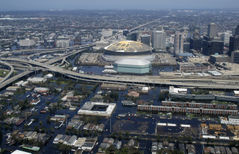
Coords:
115,4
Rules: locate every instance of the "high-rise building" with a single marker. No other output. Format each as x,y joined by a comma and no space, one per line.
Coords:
145,39
186,47
237,30
226,37
77,40
212,30
234,44
178,43
196,41
159,40
212,47
132,36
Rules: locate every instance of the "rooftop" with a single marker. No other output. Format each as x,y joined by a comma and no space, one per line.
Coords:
132,61
128,46
90,108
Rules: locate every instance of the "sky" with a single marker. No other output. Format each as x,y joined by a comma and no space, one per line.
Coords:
11,5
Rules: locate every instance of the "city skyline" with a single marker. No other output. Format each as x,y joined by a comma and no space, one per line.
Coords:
123,4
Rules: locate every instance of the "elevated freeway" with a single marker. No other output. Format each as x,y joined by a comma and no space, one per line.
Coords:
38,67
142,25
10,72
152,80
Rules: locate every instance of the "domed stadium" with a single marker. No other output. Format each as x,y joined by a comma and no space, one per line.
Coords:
132,66
127,49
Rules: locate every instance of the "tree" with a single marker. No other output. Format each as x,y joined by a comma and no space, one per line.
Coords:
1,137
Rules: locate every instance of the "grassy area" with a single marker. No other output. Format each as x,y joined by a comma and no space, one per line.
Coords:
221,102
3,73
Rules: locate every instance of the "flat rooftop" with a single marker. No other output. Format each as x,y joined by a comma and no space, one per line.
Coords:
97,109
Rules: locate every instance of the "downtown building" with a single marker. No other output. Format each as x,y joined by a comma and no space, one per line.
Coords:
212,30
178,43
145,39
211,47
159,40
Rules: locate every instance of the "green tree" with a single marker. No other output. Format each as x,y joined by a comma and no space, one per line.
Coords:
1,137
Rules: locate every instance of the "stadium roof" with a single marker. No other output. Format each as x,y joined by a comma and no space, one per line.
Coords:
128,46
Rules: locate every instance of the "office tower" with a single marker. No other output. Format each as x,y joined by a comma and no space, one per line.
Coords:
186,47
196,42
145,39
234,44
213,46
159,40
226,37
212,30
178,43
132,36
77,40
237,30
125,32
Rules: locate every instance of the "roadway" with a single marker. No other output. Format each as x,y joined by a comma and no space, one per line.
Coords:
152,80
10,72
13,79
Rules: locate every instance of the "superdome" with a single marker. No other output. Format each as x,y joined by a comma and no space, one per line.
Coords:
128,47
132,66
131,61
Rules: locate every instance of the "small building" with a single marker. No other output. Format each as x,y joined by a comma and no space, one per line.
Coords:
219,58
36,80
133,94
215,73
97,109
236,92
41,90
172,89
235,56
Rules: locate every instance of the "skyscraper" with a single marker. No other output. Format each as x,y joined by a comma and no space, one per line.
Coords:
159,40
212,30
226,37
213,46
196,42
234,44
178,43
145,39
237,30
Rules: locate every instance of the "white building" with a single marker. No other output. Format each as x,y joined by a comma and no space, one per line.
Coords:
172,89
159,40
62,43
212,30
178,43
26,43
36,80
231,120
225,37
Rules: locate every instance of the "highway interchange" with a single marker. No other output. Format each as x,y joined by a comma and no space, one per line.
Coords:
32,66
